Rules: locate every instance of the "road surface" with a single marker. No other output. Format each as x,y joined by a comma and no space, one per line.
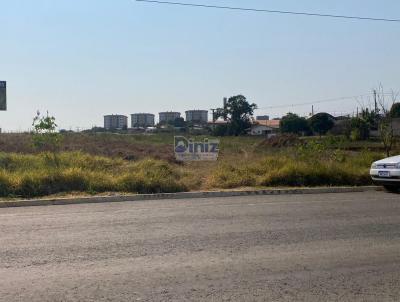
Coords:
330,247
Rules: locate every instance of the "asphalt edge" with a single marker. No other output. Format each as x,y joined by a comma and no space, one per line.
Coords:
185,195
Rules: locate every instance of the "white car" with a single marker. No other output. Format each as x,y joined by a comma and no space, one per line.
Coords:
386,172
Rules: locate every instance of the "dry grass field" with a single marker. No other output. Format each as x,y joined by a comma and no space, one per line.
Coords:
98,163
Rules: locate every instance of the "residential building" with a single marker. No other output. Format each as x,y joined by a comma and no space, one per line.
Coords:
168,116
115,122
142,120
197,116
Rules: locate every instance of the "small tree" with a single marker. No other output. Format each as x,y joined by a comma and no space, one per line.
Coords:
45,136
292,123
386,130
321,123
238,112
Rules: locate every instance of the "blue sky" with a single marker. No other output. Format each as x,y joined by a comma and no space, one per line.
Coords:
83,59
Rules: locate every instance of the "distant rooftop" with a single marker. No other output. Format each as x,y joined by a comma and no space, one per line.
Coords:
270,123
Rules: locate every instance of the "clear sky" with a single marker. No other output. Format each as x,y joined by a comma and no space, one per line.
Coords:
83,59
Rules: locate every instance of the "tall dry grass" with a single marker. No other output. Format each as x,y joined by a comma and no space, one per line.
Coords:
244,162
38,175
289,168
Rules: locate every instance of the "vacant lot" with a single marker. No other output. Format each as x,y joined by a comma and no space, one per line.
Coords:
99,163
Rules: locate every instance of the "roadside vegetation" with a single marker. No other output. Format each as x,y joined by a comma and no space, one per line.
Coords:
283,161
310,163
38,175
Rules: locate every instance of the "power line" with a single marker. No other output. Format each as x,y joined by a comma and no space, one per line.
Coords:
270,11
315,102
320,101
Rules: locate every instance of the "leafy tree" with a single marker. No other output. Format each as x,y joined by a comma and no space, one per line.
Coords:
238,112
45,135
321,123
292,123
395,110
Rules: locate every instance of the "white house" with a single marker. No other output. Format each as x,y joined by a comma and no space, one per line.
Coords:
262,130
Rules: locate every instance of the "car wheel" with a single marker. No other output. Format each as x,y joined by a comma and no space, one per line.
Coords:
392,189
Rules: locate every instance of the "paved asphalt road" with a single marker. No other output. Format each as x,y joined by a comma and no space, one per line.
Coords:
331,247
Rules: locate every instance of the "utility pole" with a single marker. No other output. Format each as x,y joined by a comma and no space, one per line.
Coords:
312,110
376,102
213,115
